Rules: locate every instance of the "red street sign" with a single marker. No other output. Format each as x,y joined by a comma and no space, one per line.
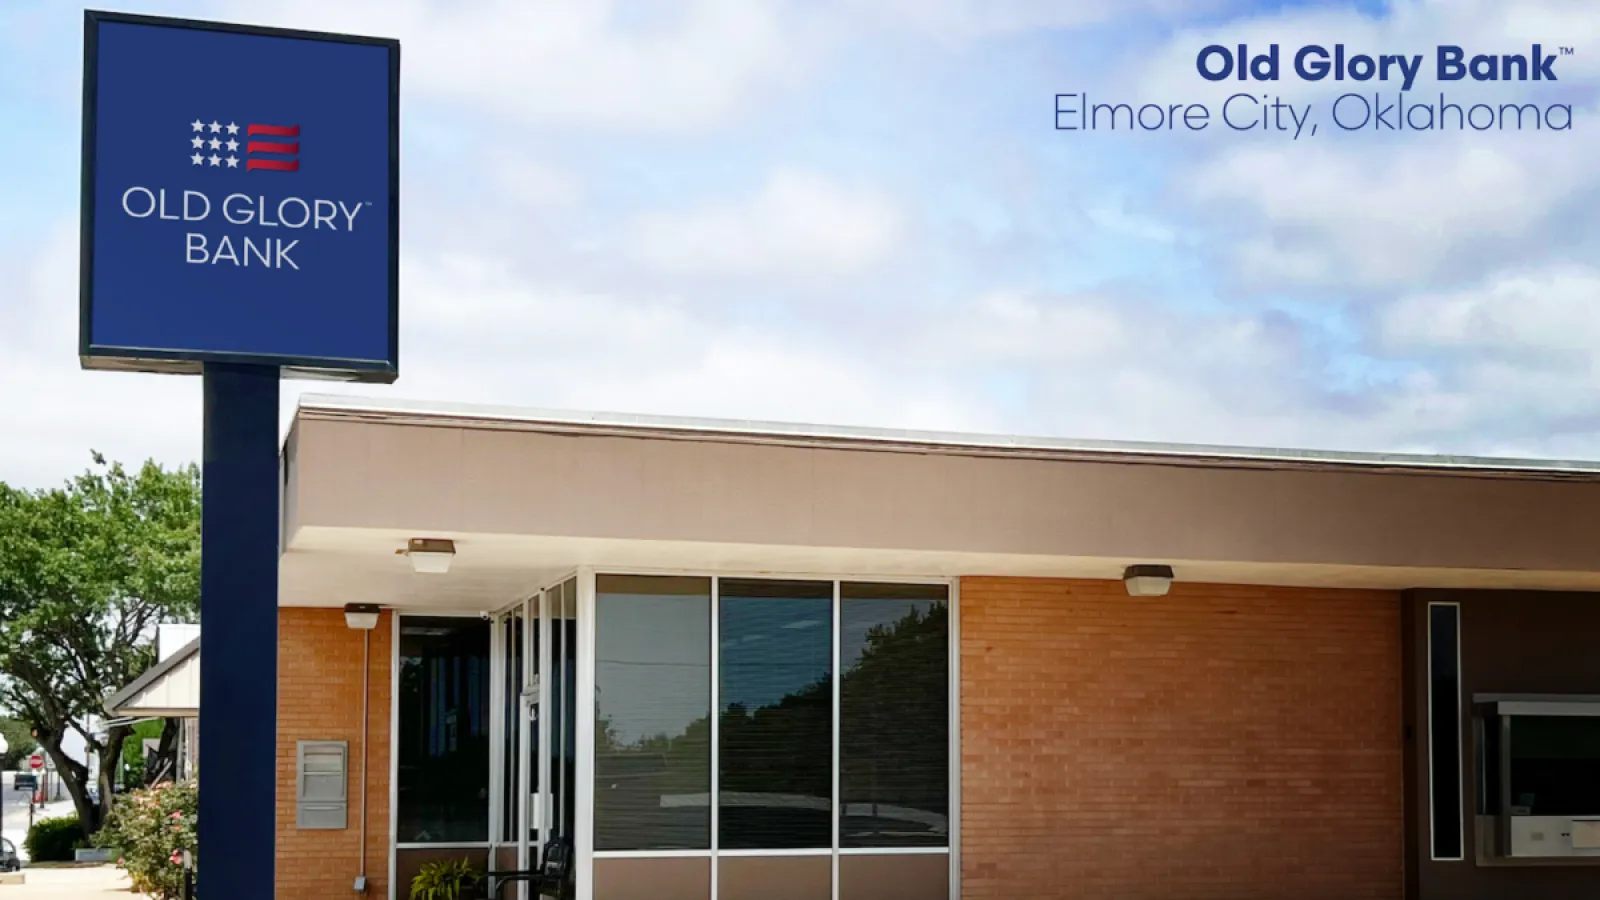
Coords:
36,761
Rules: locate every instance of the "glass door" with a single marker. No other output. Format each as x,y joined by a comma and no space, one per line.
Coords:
551,758
510,637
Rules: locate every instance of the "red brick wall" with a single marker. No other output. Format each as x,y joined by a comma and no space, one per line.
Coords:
1221,742
319,698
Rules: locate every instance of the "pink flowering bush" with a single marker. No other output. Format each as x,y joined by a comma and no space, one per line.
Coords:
150,830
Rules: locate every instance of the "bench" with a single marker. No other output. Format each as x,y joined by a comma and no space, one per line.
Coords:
546,880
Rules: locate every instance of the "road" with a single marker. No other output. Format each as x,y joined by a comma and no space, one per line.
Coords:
14,812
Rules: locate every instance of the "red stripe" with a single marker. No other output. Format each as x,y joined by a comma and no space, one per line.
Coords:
275,130
266,147
276,165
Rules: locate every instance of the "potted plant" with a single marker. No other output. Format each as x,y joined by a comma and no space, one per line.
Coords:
444,880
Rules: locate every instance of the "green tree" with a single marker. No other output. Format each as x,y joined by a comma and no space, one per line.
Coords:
133,751
19,740
87,571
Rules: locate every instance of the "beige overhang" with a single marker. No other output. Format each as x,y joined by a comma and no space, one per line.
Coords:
528,495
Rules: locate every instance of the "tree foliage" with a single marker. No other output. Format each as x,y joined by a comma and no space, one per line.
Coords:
87,571
19,741
133,758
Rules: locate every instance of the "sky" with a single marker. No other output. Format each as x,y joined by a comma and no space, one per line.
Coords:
860,212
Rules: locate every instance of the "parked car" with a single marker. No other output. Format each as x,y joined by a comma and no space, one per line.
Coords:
9,861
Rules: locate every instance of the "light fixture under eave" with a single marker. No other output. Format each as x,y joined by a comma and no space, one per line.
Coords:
361,616
1147,580
431,556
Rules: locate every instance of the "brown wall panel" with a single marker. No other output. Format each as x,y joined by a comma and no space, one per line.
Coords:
1512,642
652,879
774,878
900,876
407,863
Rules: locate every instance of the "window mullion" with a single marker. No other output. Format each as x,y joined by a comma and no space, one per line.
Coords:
837,679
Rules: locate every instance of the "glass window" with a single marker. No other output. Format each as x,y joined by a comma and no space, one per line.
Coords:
653,713
775,726
894,715
564,694
1486,742
511,638
1444,728
443,752
1555,765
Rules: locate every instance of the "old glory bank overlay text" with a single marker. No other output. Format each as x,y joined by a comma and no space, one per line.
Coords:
1385,101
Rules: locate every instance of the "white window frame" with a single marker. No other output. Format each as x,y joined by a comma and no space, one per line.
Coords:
395,845
585,854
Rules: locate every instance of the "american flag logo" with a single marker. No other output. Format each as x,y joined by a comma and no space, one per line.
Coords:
270,148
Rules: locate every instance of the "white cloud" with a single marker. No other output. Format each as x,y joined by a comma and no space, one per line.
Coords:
534,184
1408,27
1547,313
1390,215
963,20
1388,210
655,65
800,224
487,334
529,278
579,62
52,413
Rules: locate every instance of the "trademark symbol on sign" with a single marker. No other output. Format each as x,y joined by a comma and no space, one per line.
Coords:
1568,51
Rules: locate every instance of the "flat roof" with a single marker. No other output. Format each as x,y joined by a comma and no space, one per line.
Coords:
466,415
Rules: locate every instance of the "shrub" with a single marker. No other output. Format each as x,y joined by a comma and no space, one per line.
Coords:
53,840
444,880
149,830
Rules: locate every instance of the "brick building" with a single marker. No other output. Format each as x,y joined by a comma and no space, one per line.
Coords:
735,660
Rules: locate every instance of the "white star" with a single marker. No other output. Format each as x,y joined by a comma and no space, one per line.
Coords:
215,127
233,162
197,159
197,125
197,143
232,128
215,159
215,144
233,146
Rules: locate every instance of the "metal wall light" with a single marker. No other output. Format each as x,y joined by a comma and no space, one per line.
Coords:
430,556
361,616
1147,580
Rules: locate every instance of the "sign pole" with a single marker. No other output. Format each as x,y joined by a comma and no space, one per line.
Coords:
245,229
239,618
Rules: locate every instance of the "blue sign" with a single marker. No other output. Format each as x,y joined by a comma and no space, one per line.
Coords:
240,198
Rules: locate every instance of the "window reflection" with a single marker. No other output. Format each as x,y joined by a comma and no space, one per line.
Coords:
1555,765
894,715
653,709
443,748
511,637
776,719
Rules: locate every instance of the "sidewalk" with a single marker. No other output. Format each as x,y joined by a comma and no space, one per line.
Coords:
96,881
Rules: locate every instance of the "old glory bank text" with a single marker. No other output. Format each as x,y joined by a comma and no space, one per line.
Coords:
266,248
1390,108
